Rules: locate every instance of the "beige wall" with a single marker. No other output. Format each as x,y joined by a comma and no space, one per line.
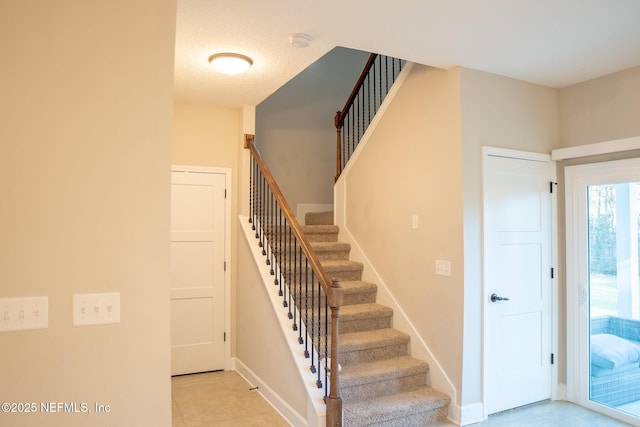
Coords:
498,112
211,136
205,136
412,165
262,347
85,155
602,109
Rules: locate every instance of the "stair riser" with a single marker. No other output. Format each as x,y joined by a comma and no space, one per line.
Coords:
359,298
282,235
382,388
344,275
322,237
352,298
333,255
426,418
371,354
318,218
359,325
339,252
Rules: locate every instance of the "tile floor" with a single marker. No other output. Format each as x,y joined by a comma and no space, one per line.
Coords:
219,399
224,399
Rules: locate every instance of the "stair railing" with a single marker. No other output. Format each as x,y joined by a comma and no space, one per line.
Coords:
306,291
377,77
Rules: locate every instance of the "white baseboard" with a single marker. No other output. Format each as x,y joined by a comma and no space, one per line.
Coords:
282,407
471,414
561,393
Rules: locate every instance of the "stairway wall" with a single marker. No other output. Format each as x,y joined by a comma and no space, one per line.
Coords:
492,110
294,126
420,173
266,356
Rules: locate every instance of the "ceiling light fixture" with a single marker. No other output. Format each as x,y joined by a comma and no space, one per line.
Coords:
230,63
299,40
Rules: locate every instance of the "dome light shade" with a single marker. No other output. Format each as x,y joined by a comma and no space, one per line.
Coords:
230,63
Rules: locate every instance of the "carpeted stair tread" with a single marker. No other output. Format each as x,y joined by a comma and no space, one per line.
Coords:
331,250
330,246
363,373
322,228
364,311
342,269
318,218
358,292
355,286
396,409
354,341
340,265
321,233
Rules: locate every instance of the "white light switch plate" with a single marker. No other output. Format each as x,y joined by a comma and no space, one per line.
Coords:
443,268
96,309
24,313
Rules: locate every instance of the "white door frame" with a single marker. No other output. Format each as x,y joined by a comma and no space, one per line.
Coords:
525,155
576,178
227,250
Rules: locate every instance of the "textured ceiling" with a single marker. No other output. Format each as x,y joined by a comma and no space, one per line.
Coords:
555,43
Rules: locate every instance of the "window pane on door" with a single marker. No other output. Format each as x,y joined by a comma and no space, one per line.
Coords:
614,295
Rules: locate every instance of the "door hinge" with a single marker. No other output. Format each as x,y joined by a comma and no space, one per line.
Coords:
552,359
225,337
225,193
551,184
553,273
225,266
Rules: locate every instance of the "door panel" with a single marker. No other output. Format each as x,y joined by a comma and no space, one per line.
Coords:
517,262
603,284
197,271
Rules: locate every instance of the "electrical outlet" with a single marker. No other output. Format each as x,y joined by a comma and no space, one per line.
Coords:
24,313
96,309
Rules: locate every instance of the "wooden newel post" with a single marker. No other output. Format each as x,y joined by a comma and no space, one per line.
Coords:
334,402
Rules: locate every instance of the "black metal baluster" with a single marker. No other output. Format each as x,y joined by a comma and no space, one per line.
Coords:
279,253
379,59
251,179
263,222
260,208
303,296
256,192
373,77
360,115
310,321
288,267
368,100
318,323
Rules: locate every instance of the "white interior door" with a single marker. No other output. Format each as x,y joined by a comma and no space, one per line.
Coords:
197,271
517,272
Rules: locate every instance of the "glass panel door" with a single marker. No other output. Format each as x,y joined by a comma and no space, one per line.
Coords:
614,295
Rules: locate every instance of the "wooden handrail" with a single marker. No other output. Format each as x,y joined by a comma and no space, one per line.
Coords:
338,120
340,115
362,104
288,213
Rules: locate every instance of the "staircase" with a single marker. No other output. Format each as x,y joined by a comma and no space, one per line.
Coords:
380,384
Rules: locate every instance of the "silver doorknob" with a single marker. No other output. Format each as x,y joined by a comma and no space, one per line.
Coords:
496,298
